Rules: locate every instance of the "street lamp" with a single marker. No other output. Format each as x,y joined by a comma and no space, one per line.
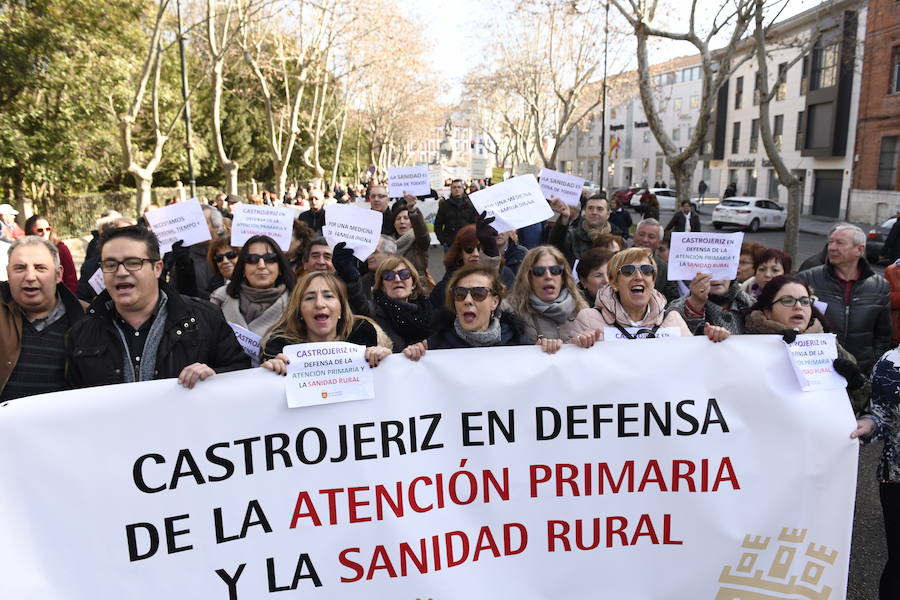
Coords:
603,140
187,106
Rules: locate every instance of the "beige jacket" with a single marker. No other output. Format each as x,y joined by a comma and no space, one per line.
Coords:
608,311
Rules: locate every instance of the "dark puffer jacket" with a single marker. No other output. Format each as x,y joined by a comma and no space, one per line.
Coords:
453,214
863,325
195,332
512,332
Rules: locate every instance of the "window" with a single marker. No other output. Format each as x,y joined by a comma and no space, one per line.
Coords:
895,75
751,182
756,90
678,104
647,136
581,168
773,185
735,137
820,123
823,72
691,132
754,135
590,170
781,90
695,102
662,106
676,134
733,176
669,78
738,92
659,168
804,75
778,131
645,167
801,127
691,73
887,163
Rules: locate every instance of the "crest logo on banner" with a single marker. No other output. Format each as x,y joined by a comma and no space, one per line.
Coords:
780,564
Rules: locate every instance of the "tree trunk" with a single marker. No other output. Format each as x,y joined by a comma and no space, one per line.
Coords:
683,173
144,197
230,169
337,150
792,224
280,178
20,194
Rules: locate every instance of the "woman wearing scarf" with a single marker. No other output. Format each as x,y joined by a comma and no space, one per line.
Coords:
411,233
546,298
402,309
260,286
631,304
717,302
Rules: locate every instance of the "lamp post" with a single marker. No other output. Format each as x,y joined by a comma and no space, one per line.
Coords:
188,145
603,137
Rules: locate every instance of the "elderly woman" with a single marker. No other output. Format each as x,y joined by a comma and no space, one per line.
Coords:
747,260
402,309
222,258
318,311
786,305
631,305
411,233
545,296
717,302
260,286
592,275
473,317
40,226
767,265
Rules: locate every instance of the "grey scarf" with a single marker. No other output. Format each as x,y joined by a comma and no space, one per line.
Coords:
558,310
151,346
405,242
255,301
490,337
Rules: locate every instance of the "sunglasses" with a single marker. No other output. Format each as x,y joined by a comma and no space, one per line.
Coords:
470,249
229,255
629,270
42,229
402,275
790,301
268,258
478,293
539,271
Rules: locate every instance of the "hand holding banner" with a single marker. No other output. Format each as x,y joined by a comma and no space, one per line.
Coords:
326,372
359,228
556,185
182,221
714,254
517,202
812,356
251,219
408,180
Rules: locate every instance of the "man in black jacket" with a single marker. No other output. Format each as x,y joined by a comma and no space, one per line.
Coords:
858,299
140,329
453,214
685,219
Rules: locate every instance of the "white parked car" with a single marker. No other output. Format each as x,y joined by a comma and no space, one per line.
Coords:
750,213
667,197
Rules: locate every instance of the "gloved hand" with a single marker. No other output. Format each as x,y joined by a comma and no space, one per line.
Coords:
183,267
849,371
487,235
344,263
789,335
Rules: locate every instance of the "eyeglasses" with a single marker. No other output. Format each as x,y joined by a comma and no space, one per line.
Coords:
229,255
402,274
539,271
470,249
790,301
268,258
629,270
478,293
132,263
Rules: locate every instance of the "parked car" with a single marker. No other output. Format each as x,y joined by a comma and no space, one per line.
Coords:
667,198
875,240
750,213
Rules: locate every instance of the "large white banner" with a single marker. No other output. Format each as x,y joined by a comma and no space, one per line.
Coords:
670,468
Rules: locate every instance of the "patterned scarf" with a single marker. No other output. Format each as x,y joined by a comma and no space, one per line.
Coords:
411,320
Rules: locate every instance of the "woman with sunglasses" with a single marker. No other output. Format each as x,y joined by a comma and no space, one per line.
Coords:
409,230
401,308
221,257
40,226
472,316
632,305
319,311
785,305
546,298
260,286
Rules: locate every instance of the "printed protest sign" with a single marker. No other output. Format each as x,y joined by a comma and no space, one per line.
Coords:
478,165
358,227
435,179
96,281
408,180
327,372
180,221
812,356
562,186
277,222
517,202
249,341
715,254
612,334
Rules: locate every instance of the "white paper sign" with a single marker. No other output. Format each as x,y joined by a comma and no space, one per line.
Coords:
249,341
435,179
359,227
812,356
96,281
4,259
277,222
517,202
479,165
715,254
180,221
821,306
327,372
611,333
560,185
408,180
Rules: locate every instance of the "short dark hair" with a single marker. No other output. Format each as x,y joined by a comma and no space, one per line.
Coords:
136,233
773,254
285,272
767,297
591,259
316,241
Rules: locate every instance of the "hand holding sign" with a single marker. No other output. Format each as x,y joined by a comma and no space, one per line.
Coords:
408,180
275,222
182,221
325,372
359,228
812,356
714,254
561,186
515,203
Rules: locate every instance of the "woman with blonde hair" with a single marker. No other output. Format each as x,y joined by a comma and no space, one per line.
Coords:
318,311
546,298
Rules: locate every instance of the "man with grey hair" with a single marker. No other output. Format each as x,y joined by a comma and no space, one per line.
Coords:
36,311
649,234
857,298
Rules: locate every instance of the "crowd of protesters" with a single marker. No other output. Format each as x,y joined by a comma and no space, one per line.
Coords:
591,273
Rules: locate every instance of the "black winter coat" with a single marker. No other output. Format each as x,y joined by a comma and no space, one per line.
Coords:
453,214
512,332
677,222
363,333
863,326
195,332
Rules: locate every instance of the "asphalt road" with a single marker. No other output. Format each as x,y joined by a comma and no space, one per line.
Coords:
868,553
